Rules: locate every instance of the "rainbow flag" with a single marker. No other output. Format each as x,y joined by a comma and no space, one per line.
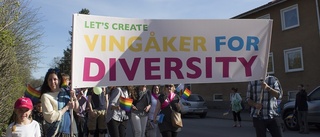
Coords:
186,94
32,93
64,83
126,103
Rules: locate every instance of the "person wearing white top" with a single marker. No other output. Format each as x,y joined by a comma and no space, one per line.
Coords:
153,129
23,125
116,118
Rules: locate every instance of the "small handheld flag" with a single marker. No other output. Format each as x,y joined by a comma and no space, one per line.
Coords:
126,103
180,87
32,93
186,94
64,83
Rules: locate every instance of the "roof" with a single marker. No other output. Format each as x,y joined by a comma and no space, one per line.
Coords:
270,4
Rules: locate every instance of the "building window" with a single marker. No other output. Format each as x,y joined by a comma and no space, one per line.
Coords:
217,97
290,17
292,95
270,64
267,16
293,59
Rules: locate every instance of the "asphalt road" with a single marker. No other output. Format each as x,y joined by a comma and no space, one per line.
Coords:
214,127
217,125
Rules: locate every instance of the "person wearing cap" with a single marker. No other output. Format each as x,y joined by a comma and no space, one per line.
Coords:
23,125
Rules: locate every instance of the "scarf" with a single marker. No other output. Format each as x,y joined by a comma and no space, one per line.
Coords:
155,95
168,100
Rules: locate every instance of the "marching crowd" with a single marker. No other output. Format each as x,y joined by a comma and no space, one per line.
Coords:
95,111
106,111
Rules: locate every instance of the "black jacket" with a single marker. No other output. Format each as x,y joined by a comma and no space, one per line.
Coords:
301,101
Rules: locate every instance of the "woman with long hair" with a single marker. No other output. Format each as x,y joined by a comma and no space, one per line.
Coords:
57,103
152,131
140,109
169,103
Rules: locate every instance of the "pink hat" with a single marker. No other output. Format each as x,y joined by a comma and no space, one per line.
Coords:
23,102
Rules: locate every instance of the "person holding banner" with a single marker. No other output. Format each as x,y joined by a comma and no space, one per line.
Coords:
117,118
169,102
56,105
140,109
262,96
154,110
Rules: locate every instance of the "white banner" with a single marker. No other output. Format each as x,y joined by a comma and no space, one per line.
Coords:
123,51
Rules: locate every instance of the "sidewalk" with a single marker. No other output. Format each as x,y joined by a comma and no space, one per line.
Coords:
218,113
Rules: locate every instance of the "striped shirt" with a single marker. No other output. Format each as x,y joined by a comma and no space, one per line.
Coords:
269,102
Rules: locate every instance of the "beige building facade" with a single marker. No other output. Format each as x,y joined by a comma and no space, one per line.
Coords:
294,53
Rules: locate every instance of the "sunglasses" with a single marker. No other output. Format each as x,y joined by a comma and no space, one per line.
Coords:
169,86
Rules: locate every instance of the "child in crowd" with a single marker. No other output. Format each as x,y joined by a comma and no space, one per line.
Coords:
23,125
38,116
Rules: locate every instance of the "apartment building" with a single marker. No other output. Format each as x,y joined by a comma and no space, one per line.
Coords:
294,56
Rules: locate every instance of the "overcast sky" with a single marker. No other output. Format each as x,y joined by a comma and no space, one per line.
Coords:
57,17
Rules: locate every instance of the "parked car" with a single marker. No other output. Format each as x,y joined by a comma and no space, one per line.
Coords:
290,119
194,105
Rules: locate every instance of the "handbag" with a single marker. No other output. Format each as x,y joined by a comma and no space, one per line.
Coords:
176,119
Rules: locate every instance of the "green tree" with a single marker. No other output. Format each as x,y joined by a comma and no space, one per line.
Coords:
9,79
19,40
65,61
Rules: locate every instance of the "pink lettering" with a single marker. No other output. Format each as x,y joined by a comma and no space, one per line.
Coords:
168,68
149,68
112,69
225,64
87,68
208,67
130,73
196,69
247,65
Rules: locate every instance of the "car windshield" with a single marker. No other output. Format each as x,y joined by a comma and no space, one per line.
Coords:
315,95
195,98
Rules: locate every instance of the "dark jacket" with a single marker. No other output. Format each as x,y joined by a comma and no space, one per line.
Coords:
301,101
166,125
